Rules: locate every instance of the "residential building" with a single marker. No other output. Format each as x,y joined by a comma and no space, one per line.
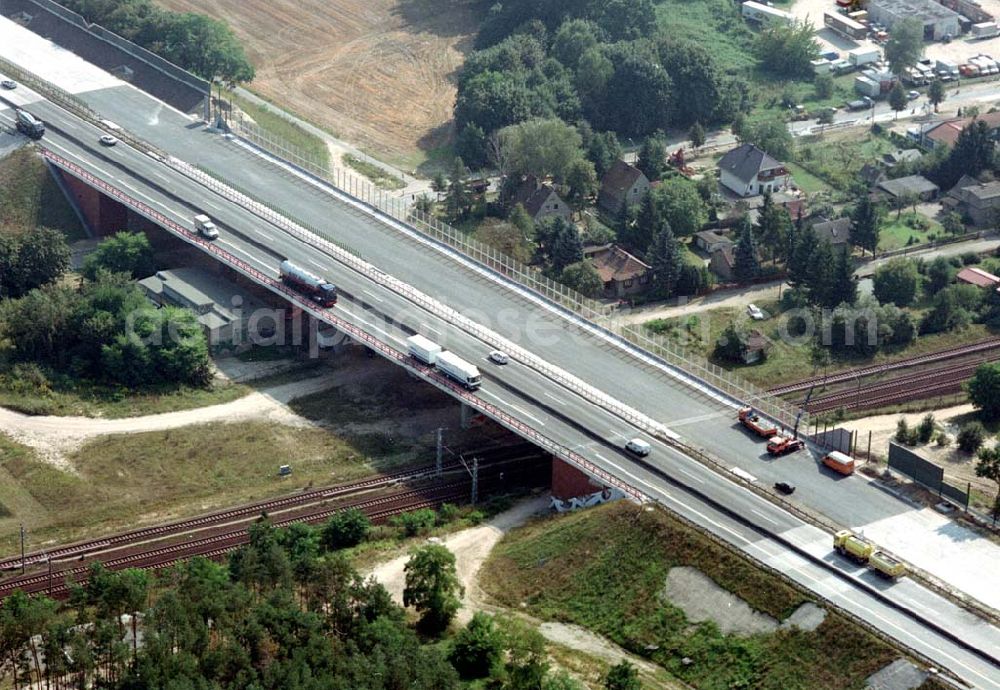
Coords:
747,170
871,174
836,231
945,133
540,200
894,158
978,277
622,184
915,185
723,261
979,201
937,20
710,240
622,273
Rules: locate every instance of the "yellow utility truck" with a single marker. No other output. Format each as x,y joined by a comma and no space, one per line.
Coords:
860,550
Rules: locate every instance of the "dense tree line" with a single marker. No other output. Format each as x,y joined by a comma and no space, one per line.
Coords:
605,63
205,46
31,260
105,329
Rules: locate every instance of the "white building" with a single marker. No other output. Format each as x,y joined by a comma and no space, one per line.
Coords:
746,170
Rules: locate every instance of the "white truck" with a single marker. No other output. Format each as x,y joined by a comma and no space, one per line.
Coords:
422,349
205,227
454,367
985,30
947,70
863,56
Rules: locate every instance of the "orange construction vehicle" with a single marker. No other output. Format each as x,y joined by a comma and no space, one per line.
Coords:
755,423
782,445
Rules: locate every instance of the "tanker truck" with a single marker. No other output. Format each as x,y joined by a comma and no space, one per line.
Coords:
317,289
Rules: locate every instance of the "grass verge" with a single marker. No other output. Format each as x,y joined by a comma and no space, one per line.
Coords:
126,480
64,396
605,569
909,229
30,198
286,131
378,176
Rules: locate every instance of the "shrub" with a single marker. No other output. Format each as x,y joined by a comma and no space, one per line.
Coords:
971,437
415,522
925,432
447,513
970,258
478,648
902,431
346,528
943,439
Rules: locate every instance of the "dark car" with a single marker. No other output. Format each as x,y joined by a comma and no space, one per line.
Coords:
785,488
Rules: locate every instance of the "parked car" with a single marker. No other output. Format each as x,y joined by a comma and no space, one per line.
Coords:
498,357
785,488
913,95
108,140
8,84
755,312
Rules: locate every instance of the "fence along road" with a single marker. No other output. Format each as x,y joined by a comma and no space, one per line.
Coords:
509,420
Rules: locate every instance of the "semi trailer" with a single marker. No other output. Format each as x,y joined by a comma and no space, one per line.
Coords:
317,289
456,368
423,349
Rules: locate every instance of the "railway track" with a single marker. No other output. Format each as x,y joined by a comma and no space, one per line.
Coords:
244,513
940,381
854,374
378,510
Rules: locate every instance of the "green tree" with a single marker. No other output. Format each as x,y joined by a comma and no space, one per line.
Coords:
666,261
694,72
819,282
843,284
561,680
439,183
936,93
951,309
574,38
925,430
952,223
697,135
988,466
787,51
582,277
770,135
896,282
652,159
972,154
562,242
800,258
971,437
432,586
637,100
123,252
344,529
458,200
479,647
527,659
520,219
729,346
603,150
746,267
984,390
773,226
826,116
866,222
939,275
32,260
492,100
581,178
622,676
824,86
471,146
541,148
424,204
681,205
897,99
905,44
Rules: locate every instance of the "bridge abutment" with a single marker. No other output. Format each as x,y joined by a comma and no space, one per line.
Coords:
569,482
102,215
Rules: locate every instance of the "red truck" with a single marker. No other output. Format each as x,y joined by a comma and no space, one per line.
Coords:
782,445
755,423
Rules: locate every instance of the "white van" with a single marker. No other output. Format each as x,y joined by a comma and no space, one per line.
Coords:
204,225
639,447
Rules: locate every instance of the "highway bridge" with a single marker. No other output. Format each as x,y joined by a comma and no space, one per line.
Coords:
572,388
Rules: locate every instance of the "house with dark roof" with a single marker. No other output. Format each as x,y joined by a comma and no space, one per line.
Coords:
915,185
747,170
710,240
945,133
723,262
621,273
871,174
836,231
540,200
980,201
894,158
622,184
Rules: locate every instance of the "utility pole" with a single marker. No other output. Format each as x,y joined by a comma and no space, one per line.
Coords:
440,450
49,559
22,548
475,480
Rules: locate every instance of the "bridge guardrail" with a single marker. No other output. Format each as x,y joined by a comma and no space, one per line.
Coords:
325,315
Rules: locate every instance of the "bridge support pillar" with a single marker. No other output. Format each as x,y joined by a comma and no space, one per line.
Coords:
467,415
568,482
103,215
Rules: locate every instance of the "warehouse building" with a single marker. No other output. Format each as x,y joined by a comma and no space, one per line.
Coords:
938,20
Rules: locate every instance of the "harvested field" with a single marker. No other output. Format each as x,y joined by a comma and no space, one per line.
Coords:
378,73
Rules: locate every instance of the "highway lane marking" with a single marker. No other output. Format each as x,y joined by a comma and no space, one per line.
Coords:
316,264
237,249
685,472
549,395
373,295
513,406
760,514
265,236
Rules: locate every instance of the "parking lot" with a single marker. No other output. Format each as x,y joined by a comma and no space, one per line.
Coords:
959,50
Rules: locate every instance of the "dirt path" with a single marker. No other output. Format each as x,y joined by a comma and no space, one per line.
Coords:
55,437
737,297
471,548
